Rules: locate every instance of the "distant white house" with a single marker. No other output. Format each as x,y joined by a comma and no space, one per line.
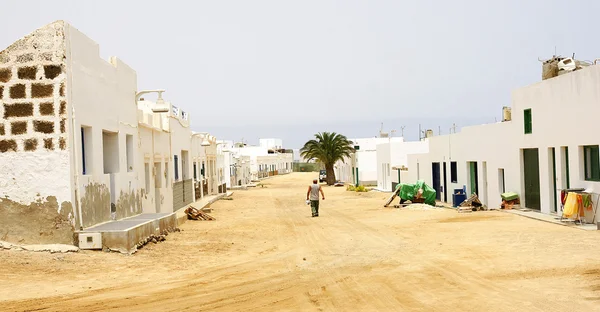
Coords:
267,159
365,170
272,144
392,158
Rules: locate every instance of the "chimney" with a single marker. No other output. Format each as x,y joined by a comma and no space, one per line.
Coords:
506,113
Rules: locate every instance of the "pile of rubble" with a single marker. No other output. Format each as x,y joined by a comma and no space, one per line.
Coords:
156,238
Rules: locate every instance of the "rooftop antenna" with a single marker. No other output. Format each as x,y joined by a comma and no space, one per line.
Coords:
402,131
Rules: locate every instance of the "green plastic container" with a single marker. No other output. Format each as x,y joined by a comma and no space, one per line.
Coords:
509,196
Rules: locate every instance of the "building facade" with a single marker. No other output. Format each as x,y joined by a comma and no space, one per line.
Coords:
392,161
78,148
548,144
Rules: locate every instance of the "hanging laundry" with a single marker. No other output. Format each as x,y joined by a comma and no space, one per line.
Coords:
587,202
571,206
580,205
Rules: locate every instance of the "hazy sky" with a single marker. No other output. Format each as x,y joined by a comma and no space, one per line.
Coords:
291,68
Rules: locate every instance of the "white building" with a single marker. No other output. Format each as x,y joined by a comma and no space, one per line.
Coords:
76,140
345,170
156,152
365,170
272,144
68,132
392,156
550,144
265,160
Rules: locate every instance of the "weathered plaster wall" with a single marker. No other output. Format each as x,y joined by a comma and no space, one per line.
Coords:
156,153
34,157
183,191
102,96
36,223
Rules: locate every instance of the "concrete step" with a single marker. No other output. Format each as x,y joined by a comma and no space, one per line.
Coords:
123,235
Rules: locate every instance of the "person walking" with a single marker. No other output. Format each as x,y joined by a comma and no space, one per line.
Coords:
313,196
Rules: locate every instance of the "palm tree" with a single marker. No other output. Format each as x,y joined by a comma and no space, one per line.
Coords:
328,148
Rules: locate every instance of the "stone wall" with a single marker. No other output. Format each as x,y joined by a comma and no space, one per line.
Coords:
34,156
32,92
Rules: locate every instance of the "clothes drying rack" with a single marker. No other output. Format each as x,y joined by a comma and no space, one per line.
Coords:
563,197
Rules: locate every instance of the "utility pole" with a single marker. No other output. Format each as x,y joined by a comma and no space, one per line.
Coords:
439,130
402,131
419,132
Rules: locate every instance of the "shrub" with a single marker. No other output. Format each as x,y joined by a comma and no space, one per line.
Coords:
361,189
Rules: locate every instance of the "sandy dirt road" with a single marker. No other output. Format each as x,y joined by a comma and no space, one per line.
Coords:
265,253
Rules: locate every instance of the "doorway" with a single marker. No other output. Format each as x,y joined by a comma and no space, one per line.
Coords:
485,183
445,190
552,156
435,170
531,178
110,152
501,183
473,177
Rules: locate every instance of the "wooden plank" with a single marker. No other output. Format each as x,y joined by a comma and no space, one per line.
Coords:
391,199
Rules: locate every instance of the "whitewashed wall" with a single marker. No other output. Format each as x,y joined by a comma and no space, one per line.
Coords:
366,157
563,114
101,95
155,148
395,154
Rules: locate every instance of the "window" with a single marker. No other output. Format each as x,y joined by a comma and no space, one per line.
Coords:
86,150
501,185
453,172
147,175
195,175
592,163
129,151
565,166
110,145
527,121
176,167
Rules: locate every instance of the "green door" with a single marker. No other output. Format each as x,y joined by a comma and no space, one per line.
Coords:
473,177
531,172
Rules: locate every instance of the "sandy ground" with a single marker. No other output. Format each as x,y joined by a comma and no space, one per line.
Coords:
265,253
